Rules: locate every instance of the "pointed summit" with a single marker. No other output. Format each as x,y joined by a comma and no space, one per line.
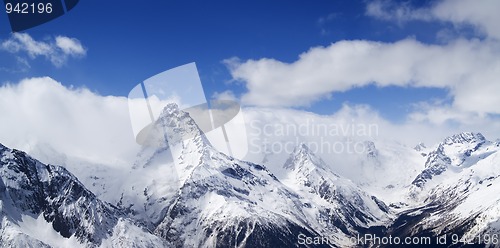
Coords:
172,137
310,176
303,156
304,167
172,126
420,147
177,124
170,108
371,149
2,147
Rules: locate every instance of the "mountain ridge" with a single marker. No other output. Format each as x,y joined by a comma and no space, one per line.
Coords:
182,192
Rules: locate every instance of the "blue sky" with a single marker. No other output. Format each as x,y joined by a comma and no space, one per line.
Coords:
131,41
420,70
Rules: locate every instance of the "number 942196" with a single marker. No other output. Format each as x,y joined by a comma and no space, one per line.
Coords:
28,8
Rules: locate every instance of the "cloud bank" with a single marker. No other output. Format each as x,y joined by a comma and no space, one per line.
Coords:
56,50
40,115
467,68
72,121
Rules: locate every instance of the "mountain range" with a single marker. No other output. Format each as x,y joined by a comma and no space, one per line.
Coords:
182,192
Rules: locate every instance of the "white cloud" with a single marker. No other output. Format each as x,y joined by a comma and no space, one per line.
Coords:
40,115
400,12
467,68
273,133
57,51
72,121
225,95
442,114
23,42
70,46
481,14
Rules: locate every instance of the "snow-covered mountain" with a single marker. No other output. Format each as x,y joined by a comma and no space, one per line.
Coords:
221,201
181,192
454,151
456,195
45,205
336,201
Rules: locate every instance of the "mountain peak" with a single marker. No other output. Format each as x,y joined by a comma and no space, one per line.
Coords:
302,148
301,156
175,132
371,149
2,148
171,109
171,112
419,147
453,151
174,126
465,137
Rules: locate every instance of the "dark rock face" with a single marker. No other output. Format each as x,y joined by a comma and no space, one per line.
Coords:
437,162
35,188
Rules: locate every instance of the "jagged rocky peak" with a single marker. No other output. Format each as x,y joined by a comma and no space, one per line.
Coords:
370,149
301,156
173,126
465,137
171,111
178,121
460,146
457,147
174,135
2,150
420,147
51,191
453,151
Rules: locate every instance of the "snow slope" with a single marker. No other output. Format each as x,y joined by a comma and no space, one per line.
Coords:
457,192
46,205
